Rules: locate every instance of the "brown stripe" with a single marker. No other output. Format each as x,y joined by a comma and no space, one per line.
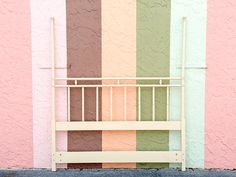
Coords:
84,60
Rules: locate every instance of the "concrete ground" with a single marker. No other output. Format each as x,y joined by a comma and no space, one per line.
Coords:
117,173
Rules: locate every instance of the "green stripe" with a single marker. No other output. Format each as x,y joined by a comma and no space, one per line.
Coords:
153,53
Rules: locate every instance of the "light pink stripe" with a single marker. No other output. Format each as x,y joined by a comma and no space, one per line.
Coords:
41,11
16,148
220,131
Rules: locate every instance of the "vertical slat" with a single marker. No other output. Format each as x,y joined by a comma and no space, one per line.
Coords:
183,95
111,103
53,118
168,103
153,103
125,103
139,103
97,98
82,103
68,104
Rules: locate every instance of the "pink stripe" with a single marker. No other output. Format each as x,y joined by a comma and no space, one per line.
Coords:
220,148
40,32
16,148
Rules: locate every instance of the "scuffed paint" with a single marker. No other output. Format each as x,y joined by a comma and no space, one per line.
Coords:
195,11
220,129
16,146
41,11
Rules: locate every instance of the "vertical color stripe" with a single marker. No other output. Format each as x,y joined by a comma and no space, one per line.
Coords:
16,147
153,45
84,60
119,60
41,11
194,77
220,129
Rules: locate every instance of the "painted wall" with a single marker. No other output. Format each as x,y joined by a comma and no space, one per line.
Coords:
220,131
16,137
119,60
84,60
41,11
117,38
196,13
153,60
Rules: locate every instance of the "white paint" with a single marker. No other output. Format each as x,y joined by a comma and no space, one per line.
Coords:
41,11
195,11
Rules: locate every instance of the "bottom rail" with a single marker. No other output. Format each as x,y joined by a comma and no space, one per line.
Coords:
119,157
118,125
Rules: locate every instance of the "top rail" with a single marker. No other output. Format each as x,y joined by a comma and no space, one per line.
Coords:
121,78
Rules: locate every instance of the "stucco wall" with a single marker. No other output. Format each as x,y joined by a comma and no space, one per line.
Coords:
41,11
220,118
25,84
119,60
196,13
16,147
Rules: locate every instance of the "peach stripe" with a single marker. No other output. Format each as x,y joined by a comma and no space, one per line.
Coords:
119,59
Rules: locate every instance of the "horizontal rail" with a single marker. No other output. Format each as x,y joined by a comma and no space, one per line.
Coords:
121,78
119,157
121,85
118,125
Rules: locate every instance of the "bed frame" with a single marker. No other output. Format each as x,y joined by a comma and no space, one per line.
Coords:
139,124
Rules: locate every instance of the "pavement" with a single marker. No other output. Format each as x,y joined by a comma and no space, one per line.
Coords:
116,173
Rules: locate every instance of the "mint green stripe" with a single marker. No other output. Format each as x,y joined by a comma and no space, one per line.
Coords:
194,79
153,53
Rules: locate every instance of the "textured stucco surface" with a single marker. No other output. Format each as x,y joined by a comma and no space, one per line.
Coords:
41,11
220,131
84,59
118,60
195,11
153,56
25,107
16,146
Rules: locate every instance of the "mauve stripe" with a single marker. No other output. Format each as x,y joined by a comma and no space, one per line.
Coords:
84,60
